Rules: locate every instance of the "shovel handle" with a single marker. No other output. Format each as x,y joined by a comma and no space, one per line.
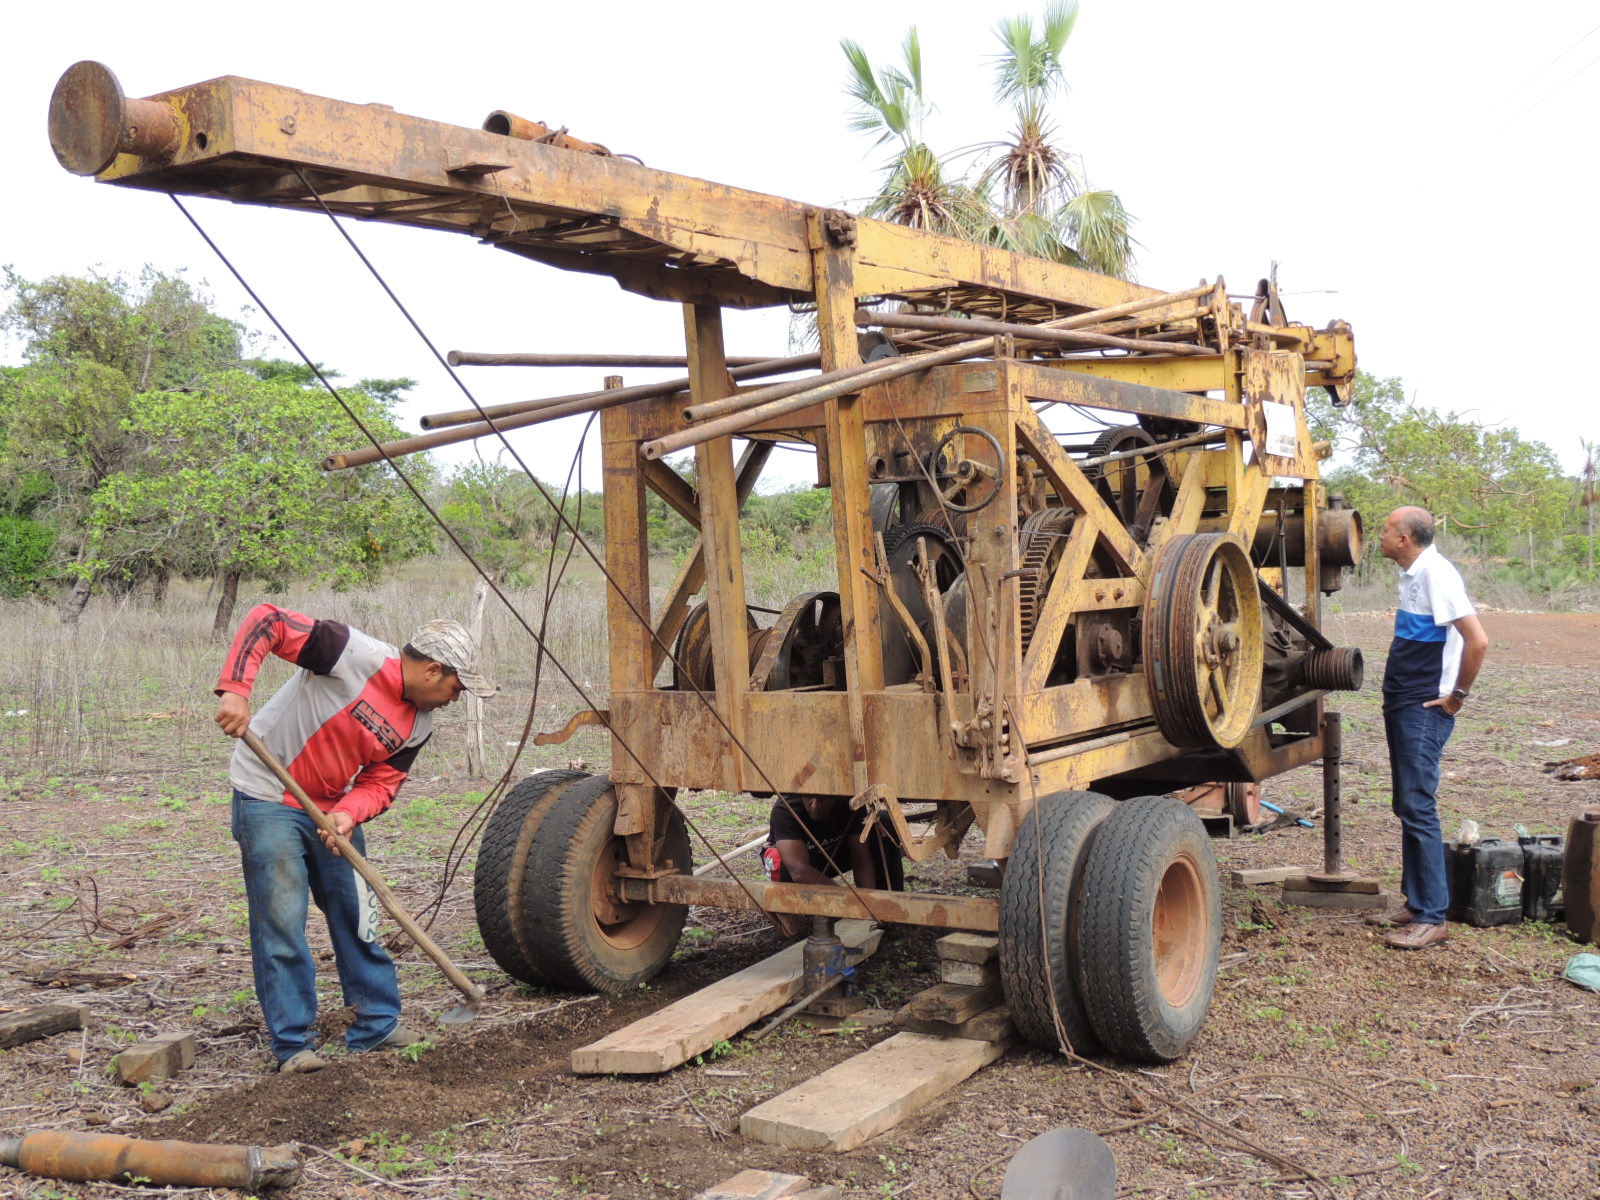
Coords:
386,897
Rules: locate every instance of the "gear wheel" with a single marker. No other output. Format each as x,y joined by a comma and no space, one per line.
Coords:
1044,537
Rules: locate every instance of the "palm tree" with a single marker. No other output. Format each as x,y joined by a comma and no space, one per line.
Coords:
916,190
1048,209
1031,195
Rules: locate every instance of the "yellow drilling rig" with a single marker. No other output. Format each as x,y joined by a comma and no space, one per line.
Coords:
1035,638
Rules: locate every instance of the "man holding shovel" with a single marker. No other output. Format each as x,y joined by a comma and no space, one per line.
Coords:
348,726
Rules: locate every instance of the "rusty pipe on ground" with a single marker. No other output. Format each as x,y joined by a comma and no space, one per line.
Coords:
510,125
81,1157
476,358
1032,333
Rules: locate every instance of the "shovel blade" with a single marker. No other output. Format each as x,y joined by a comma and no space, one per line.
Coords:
1063,1164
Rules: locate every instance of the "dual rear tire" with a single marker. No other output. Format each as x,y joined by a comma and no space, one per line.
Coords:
1111,926
546,895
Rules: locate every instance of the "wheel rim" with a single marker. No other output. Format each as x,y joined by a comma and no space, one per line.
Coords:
623,924
1179,927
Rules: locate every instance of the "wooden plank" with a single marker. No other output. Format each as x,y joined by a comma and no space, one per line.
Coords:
673,1035
967,974
867,1094
40,1021
954,1002
1307,883
991,1025
1264,875
967,947
1336,899
767,1185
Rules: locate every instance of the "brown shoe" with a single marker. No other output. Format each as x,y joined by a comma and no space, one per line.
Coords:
1417,936
1392,917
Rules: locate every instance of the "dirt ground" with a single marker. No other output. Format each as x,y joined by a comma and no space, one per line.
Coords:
1330,1066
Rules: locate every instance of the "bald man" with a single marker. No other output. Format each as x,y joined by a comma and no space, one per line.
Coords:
1438,649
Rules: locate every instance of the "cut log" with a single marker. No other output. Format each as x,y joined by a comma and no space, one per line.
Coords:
864,1095
41,1021
954,1002
675,1034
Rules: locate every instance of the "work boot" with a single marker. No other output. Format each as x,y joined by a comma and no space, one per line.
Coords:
1392,917
301,1062
399,1038
1417,936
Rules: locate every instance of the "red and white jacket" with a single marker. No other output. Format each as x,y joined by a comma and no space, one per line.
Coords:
342,725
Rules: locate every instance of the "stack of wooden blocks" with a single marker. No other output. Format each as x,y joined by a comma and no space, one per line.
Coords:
968,1001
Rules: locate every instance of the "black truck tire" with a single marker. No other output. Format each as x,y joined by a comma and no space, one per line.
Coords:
577,930
502,859
1150,929
1038,924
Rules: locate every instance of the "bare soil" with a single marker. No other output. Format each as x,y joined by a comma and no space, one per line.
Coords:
1330,1065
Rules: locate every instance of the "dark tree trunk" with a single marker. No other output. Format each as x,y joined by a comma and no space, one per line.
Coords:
158,587
72,604
226,601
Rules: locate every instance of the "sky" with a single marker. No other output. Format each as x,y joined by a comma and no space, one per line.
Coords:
1423,170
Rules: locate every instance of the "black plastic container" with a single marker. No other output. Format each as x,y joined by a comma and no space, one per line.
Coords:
1543,858
1486,882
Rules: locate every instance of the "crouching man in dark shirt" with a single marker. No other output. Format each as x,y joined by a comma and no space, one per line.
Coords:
813,838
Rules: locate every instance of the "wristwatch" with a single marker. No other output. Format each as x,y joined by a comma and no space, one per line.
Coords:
1460,694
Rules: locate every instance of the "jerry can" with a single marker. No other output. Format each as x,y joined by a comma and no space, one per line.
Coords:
1581,874
1486,882
1542,859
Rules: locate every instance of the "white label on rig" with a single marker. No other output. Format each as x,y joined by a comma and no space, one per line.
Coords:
1283,432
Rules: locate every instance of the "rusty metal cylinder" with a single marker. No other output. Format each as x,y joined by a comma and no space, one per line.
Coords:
510,125
1339,538
59,1154
1339,669
91,121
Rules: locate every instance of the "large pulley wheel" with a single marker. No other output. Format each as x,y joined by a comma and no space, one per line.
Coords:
977,478
1124,482
906,546
1203,645
576,925
797,649
1149,929
502,861
1039,898
693,663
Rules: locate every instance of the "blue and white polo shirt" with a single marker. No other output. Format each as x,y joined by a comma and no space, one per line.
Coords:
1425,657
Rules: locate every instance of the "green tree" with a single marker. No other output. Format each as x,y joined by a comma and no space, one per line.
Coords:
92,344
1491,488
499,516
1028,193
227,482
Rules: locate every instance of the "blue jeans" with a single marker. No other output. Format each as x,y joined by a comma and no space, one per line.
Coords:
1416,742
286,866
